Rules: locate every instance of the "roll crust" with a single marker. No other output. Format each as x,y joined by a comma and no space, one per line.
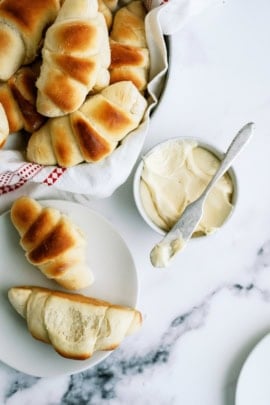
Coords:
18,98
75,325
76,58
52,243
129,52
22,24
91,133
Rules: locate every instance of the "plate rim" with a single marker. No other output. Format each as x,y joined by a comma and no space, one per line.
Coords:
248,358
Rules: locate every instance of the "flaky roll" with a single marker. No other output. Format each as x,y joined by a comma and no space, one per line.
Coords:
75,325
53,243
91,133
18,99
22,24
76,57
129,51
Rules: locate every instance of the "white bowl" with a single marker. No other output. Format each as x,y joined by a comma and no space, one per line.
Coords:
137,179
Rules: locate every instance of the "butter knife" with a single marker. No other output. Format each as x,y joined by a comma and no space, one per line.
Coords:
177,238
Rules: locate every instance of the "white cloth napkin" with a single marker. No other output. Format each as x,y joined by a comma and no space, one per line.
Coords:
176,13
99,180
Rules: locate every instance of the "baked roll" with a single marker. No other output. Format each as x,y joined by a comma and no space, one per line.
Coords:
107,7
76,58
129,51
91,133
18,98
52,242
111,4
75,325
105,10
4,128
22,24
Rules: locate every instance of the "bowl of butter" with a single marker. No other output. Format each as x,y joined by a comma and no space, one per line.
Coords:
172,175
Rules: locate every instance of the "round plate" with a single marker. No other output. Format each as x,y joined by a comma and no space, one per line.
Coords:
115,281
253,386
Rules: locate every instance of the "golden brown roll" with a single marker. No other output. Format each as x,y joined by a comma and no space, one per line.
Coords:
53,243
75,325
22,24
76,58
129,52
91,133
18,98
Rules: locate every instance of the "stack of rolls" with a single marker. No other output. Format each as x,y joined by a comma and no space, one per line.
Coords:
75,324
76,76
73,77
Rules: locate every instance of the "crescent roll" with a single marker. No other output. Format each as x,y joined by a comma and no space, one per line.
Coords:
75,325
52,242
22,24
76,58
18,99
129,51
91,133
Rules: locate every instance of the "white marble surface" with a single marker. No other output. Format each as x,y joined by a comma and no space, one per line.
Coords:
205,313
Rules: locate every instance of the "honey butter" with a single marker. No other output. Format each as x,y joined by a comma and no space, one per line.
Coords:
174,175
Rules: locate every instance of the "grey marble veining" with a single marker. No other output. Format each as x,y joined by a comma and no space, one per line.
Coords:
191,354
19,382
99,385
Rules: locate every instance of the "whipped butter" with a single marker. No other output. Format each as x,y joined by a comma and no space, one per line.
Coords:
174,175
162,253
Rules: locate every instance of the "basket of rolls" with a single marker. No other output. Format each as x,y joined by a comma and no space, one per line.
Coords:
78,82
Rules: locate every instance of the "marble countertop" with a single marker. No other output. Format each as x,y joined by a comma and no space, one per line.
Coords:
204,314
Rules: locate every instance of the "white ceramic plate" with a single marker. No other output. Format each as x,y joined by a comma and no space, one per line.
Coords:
115,281
253,387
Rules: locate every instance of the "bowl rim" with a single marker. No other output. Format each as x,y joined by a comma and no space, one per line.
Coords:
216,151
